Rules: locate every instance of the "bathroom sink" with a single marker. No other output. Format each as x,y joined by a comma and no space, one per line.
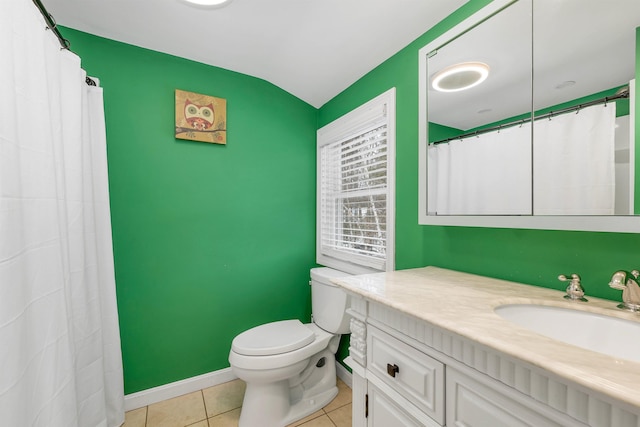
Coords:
596,332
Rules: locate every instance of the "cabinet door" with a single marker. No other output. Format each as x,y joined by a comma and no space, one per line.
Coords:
384,411
472,404
358,400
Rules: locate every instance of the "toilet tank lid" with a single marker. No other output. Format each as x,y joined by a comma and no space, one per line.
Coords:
273,338
325,274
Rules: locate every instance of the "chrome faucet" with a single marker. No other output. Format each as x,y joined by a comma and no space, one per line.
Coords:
628,283
575,292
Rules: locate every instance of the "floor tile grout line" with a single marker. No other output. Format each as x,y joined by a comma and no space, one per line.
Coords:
204,402
331,421
225,412
205,412
336,408
310,419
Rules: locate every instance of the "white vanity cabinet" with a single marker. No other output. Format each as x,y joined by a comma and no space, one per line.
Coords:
407,372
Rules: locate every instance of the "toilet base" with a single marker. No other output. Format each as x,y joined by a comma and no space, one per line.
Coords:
270,405
310,405
277,404
265,404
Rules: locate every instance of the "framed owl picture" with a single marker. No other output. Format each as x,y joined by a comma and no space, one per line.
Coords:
201,117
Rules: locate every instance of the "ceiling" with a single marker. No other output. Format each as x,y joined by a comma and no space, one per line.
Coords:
313,49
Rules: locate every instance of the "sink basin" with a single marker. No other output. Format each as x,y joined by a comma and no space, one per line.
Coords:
603,334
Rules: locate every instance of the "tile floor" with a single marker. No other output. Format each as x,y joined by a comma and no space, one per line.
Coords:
219,406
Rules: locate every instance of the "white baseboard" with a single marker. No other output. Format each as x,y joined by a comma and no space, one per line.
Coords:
178,388
344,374
189,385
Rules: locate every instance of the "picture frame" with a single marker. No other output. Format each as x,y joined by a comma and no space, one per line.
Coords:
200,117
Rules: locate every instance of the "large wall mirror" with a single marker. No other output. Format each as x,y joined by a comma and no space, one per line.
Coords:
527,118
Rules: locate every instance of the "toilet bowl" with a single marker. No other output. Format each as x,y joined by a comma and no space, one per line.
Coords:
289,367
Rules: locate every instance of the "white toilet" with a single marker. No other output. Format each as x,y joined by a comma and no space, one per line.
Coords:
288,366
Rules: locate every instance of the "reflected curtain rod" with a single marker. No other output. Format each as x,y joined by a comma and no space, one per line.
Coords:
51,25
622,93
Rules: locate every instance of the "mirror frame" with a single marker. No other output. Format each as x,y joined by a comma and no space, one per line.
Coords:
612,223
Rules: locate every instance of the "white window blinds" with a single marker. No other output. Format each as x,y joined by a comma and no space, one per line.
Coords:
355,188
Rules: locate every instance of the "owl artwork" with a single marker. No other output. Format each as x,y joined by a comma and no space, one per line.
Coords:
201,117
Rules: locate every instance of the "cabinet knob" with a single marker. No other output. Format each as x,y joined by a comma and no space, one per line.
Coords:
392,369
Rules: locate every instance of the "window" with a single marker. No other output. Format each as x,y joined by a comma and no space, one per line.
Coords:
356,183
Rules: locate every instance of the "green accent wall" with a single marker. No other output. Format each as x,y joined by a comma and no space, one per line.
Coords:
209,240
531,256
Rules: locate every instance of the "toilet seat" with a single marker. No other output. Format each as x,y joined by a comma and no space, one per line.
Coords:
320,340
273,338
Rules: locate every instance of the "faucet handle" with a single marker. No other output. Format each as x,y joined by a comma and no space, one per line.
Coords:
575,292
628,283
620,278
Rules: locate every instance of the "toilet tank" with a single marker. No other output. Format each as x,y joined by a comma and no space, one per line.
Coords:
328,301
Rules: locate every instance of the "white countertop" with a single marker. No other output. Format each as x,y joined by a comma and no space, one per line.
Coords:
464,304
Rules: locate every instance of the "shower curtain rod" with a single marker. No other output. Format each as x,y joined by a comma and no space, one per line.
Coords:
51,25
622,93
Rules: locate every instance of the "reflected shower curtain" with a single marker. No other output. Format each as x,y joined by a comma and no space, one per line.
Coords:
60,360
488,174
574,163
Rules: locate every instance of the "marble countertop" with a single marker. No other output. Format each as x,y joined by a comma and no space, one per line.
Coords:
464,304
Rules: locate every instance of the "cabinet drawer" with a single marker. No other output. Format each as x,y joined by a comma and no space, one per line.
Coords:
414,375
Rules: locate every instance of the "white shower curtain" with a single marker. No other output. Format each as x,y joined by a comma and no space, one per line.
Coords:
574,163
60,360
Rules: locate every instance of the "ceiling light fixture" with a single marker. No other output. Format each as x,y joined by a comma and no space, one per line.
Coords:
460,76
209,4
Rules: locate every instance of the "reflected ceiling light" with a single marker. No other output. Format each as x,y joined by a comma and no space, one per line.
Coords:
207,3
460,76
